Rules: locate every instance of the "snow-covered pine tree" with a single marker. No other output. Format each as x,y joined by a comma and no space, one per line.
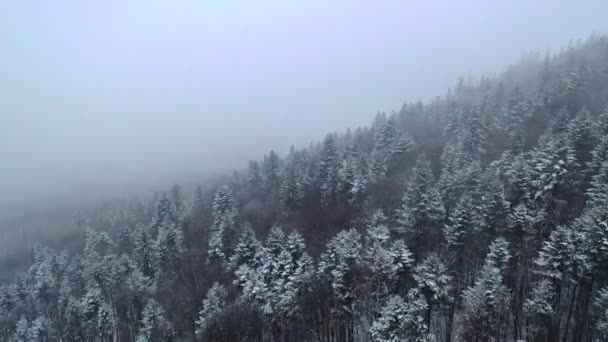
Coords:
154,325
144,253
271,173
390,145
254,178
554,165
169,247
422,212
460,174
516,174
538,308
292,187
595,226
493,206
564,256
601,315
473,139
98,317
287,274
274,279
434,283
581,134
486,304
460,224
225,224
565,260
166,212
516,110
248,251
337,267
329,171
349,177
402,320
597,193
213,305
387,262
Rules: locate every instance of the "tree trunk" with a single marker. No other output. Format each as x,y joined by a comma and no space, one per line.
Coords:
571,306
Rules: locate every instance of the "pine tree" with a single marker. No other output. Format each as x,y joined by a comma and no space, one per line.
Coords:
601,127
564,255
517,146
390,146
601,315
292,188
169,247
595,226
580,133
516,110
557,126
329,171
434,283
486,303
401,321
248,251
554,165
460,223
213,305
460,174
224,227
255,179
474,138
516,174
493,206
539,308
30,331
348,175
97,314
271,173
337,266
599,155
144,253
274,285
387,263
287,273
154,325
166,212
597,194
422,210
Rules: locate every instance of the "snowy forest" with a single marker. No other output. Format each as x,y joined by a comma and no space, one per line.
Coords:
480,216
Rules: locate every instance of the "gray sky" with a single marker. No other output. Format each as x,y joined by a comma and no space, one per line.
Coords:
100,94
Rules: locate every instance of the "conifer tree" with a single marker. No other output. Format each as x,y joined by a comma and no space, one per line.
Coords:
601,314
422,212
329,171
337,266
154,326
486,303
402,320
224,228
434,283
213,305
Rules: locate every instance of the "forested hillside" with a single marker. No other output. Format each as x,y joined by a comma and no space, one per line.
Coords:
479,216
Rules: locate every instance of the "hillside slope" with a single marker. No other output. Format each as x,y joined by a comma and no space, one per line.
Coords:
480,216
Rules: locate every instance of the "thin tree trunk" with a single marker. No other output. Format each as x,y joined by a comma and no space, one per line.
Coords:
570,311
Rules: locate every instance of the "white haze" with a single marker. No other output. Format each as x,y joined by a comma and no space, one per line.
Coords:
106,97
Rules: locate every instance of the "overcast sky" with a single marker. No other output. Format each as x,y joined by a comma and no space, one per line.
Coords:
113,92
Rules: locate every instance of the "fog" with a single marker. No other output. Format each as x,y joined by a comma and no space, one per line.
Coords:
105,97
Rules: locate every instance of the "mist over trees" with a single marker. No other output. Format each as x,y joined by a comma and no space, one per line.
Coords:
479,216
